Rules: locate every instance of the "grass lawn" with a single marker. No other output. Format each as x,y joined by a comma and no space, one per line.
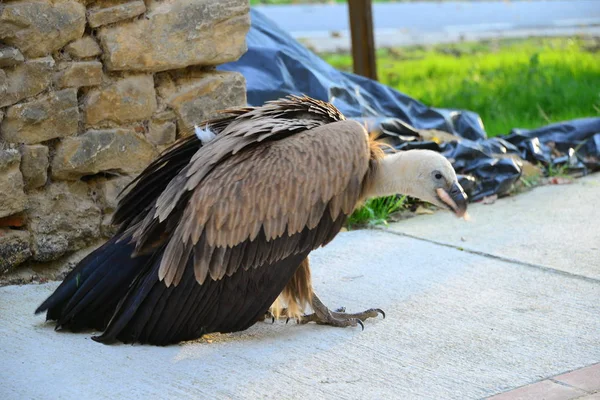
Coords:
509,83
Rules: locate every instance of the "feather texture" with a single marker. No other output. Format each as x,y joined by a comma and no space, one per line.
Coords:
237,198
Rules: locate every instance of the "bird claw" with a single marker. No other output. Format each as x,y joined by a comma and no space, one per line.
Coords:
362,325
338,319
324,316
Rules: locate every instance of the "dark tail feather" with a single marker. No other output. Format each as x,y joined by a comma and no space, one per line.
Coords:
89,294
128,306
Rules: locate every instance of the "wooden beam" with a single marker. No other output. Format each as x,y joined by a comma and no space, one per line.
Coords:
363,42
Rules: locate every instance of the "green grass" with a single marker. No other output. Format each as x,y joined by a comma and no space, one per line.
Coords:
377,211
560,171
509,83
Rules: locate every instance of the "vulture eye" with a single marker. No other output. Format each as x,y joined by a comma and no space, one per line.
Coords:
438,176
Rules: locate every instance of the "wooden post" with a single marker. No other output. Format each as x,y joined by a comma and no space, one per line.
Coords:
363,43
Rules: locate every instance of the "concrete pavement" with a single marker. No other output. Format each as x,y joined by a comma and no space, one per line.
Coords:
515,303
554,227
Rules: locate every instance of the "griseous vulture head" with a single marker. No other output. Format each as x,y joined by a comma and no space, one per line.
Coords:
424,174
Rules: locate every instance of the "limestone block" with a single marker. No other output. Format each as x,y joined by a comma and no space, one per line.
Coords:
14,248
3,83
62,218
108,15
129,99
110,150
38,28
198,95
164,115
52,116
12,196
83,48
77,74
105,191
177,34
25,80
9,56
161,132
34,165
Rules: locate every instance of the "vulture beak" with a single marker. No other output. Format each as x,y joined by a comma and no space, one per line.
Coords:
455,199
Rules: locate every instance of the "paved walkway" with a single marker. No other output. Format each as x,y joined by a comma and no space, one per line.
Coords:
509,300
581,384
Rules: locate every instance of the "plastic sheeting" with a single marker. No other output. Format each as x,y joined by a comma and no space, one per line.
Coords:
276,65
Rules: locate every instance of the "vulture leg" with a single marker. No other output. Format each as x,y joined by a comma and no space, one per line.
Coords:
324,316
299,293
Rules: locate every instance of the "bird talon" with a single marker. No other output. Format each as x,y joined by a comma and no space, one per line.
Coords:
358,321
379,310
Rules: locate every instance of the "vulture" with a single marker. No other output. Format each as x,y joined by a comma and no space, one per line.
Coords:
215,233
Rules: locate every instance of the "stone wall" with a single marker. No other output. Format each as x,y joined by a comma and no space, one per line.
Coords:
90,92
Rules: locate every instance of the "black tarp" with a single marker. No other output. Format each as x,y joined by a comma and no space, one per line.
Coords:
276,65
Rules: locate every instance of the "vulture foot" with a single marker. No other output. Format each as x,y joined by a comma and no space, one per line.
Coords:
338,318
271,317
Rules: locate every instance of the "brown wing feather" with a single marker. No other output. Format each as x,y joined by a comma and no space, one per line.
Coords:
241,129
278,188
139,196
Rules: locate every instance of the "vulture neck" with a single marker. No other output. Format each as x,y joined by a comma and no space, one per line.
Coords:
396,174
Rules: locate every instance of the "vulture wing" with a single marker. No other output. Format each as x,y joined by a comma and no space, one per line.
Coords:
266,194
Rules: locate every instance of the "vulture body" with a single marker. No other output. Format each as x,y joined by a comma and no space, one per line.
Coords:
220,226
